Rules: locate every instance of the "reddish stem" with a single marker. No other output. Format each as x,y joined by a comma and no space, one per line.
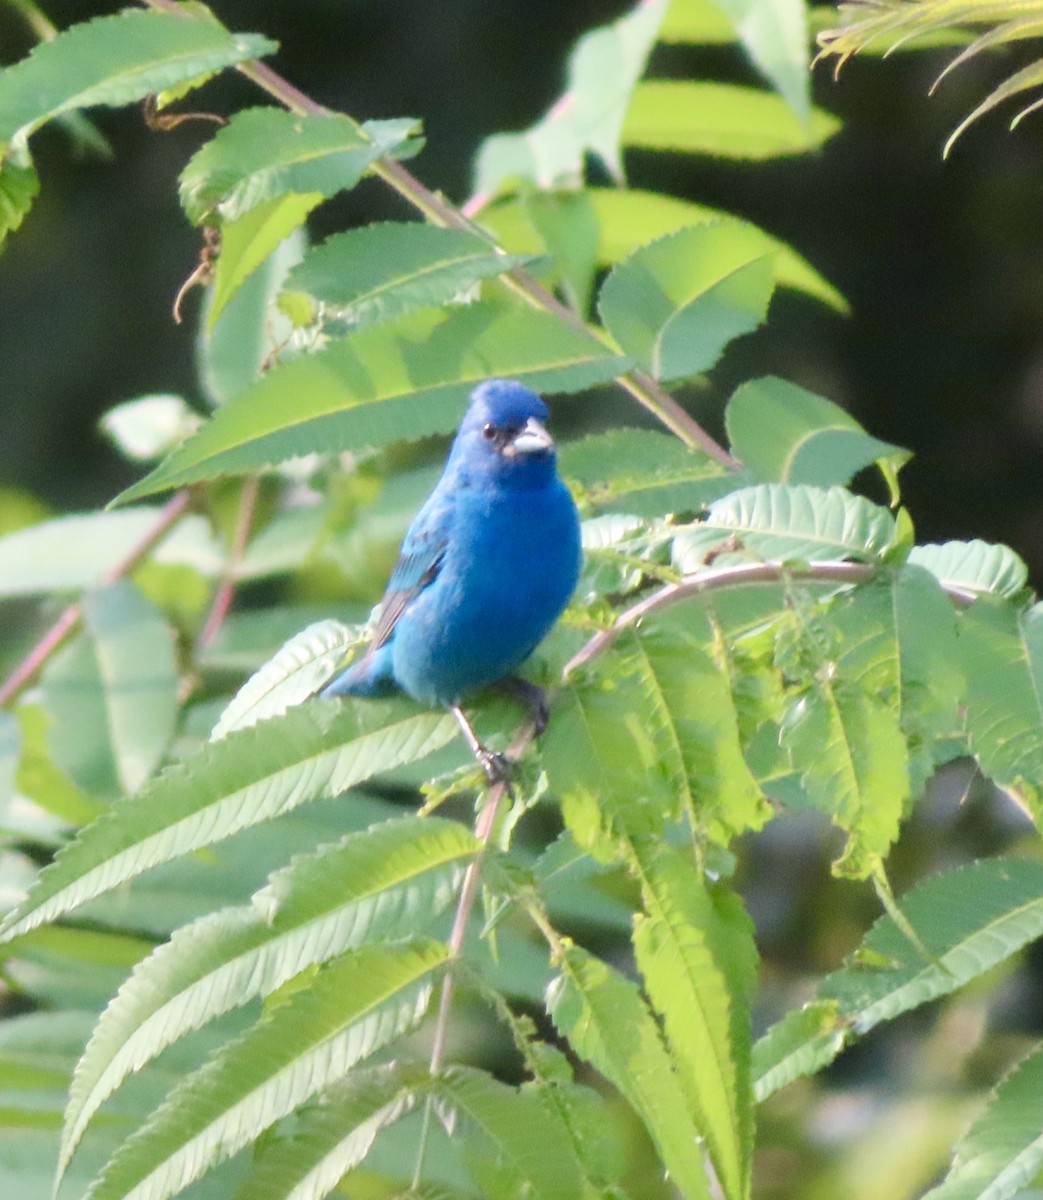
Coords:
25,672
226,590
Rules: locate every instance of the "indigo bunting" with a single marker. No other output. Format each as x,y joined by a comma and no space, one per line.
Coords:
485,569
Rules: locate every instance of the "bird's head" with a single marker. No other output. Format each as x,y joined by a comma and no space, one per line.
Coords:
504,433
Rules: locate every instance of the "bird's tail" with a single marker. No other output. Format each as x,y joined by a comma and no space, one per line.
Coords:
371,676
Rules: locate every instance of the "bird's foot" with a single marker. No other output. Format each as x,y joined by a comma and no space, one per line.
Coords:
498,768
534,698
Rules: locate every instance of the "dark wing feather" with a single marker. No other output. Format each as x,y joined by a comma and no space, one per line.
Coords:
420,560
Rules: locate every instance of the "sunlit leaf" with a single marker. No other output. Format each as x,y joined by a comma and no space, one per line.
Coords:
19,187
116,60
313,751
969,919
265,154
677,302
296,672
1002,652
113,693
786,434
775,35
372,388
381,271
1002,1152
640,471
974,567
385,882
628,218
349,1010
602,1016
795,521
722,120
706,1024
149,427
603,69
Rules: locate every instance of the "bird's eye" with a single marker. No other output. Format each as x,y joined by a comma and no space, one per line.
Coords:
489,431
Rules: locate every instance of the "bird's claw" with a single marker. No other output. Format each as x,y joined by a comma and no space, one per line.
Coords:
498,768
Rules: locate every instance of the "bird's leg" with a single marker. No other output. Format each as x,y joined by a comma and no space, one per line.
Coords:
497,767
534,698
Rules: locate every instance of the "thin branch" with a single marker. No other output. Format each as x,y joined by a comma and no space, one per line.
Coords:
25,672
226,589
483,828
645,390
737,576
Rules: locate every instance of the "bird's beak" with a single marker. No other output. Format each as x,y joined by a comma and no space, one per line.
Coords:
532,439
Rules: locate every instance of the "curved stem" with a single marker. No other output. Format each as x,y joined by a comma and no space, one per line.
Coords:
25,672
738,576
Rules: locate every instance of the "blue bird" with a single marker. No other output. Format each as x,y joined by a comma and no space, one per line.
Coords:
485,569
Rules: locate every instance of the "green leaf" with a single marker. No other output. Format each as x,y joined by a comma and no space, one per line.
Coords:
76,552
721,119
232,352
628,218
781,522
114,61
1002,1152
641,471
1024,80
41,779
350,1009
568,227
854,765
514,1143
149,427
803,1042
786,434
372,388
265,154
685,701
312,752
1002,652
975,568
896,640
706,1025
381,271
385,882
113,693
604,1019
696,23
19,187
603,70
296,672
970,919
677,302
329,1137
775,35
250,240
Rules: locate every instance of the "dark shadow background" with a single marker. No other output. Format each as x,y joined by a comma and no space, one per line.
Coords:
943,350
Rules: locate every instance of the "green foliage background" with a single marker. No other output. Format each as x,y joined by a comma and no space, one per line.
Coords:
690,750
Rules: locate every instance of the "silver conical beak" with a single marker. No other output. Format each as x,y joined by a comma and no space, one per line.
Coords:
532,439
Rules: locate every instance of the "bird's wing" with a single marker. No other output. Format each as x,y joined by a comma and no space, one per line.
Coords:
420,560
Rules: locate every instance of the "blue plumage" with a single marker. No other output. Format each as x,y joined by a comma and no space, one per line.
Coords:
487,565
